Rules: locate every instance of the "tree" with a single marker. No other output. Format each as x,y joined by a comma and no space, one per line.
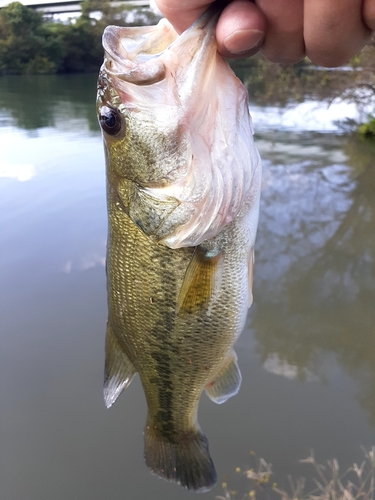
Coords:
30,44
271,83
21,41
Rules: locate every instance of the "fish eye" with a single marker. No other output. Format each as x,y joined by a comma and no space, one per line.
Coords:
110,120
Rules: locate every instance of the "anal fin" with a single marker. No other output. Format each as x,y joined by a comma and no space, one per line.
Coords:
227,382
202,278
119,370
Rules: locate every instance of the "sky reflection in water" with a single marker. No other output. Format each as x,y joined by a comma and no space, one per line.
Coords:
307,354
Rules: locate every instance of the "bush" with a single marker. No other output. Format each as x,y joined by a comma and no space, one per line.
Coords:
367,130
21,39
30,44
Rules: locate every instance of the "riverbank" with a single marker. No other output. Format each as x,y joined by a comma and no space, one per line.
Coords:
31,44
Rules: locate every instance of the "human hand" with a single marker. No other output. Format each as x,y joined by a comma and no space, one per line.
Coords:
328,32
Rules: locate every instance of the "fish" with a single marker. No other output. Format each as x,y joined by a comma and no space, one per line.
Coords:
183,186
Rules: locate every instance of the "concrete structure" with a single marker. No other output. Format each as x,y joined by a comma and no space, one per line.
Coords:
66,6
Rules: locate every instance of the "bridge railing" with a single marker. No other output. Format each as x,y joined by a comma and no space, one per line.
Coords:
66,6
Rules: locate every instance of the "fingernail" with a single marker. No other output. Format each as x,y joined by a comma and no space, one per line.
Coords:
242,40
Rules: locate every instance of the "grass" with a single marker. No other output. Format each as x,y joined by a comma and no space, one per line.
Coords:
356,483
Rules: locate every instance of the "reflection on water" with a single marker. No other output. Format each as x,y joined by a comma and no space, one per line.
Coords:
321,250
307,355
36,102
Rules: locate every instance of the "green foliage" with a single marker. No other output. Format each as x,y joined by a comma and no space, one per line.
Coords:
270,83
31,44
367,130
81,47
22,41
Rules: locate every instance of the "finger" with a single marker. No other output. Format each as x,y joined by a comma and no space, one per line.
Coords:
334,31
240,29
284,38
368,13
182,14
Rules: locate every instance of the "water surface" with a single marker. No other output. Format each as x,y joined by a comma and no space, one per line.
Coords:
307,354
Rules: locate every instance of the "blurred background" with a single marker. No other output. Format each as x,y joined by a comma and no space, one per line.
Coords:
307,353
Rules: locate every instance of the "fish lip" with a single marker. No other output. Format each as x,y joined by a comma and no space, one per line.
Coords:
135,54
143,74
134,64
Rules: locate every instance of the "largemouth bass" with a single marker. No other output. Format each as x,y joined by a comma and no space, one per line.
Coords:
183,184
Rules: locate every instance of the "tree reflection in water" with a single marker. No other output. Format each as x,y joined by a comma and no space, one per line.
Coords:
37,101
316,246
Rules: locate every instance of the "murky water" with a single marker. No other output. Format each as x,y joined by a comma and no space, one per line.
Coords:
307,354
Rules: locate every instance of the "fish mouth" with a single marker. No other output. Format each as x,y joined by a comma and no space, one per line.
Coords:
133,54
140,55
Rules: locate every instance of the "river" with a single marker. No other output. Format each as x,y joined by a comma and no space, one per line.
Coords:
307,354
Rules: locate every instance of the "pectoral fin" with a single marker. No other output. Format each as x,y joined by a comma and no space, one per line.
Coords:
227,382
119,370
202,279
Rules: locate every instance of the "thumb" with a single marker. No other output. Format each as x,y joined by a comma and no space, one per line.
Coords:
182,14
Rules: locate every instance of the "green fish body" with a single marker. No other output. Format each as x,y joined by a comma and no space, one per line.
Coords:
183,183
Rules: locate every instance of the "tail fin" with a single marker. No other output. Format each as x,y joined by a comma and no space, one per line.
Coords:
186,460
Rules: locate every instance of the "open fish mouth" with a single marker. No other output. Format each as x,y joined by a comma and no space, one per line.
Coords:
135,54
136,58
